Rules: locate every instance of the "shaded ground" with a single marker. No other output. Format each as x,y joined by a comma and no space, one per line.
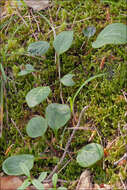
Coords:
107,111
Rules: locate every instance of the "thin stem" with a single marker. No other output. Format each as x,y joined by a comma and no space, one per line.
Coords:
59,73
18,130
1,107
56,56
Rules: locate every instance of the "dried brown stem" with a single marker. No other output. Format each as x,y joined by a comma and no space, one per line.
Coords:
18,129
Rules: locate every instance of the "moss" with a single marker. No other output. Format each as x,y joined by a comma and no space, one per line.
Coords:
104,95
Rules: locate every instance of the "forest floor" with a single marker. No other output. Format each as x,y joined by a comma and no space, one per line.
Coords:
105,120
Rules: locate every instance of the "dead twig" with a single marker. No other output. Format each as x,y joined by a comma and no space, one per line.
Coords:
124,186
124,157
35,20
125,94
32,29
68,143
64,166
18,13
18,130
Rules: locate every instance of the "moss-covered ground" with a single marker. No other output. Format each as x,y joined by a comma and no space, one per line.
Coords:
105,96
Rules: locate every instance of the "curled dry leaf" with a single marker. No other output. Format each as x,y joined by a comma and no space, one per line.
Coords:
13,182
85,181
10,182
37,5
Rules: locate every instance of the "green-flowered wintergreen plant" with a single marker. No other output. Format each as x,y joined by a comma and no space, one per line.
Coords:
57,115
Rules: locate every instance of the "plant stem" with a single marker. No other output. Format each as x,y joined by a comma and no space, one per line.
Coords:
1,108
59,73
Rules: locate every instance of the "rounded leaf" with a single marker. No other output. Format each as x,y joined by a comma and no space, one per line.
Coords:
11,165
63,41
89,31
28,69
90,154
57,115
37,95
38,48
67,80
36,127
115,33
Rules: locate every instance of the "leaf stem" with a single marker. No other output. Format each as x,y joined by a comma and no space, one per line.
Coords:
59,73
86,82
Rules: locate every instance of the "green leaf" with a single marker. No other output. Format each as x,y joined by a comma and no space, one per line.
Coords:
42,176
90,154
37,95
36,127
28,69
67,80
38,48
57,115
63,41
115,33
25,184
38,184
89,31
25,169
11,165
62,188
54,180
